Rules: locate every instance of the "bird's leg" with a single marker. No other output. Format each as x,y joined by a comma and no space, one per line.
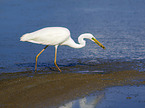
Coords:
38,56
55,58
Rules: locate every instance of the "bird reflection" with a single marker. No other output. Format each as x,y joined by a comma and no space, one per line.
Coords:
86,102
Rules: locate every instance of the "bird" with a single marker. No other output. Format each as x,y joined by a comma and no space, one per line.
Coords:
55,36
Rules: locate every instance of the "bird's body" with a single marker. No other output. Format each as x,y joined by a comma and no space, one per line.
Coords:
56,36
47,36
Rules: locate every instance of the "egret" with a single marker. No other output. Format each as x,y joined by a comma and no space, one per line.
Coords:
56,36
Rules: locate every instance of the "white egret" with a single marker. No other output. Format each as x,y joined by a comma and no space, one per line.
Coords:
56,36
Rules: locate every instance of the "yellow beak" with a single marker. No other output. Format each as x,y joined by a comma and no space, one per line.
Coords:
97,42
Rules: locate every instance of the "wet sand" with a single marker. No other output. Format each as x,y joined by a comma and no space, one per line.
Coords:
53,90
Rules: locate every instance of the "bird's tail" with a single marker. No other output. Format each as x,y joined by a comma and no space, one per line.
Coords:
25,37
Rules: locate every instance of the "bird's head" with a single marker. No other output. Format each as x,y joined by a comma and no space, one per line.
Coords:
92,38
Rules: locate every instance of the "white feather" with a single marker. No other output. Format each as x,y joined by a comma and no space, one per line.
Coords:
47,36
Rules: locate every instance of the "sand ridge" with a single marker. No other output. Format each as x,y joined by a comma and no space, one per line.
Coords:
55,89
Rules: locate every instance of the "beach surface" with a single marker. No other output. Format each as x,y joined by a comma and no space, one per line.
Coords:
55,89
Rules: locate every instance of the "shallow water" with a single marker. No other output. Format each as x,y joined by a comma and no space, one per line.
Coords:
118,25
115,97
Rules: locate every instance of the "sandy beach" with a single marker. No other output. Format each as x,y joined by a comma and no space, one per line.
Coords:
53,90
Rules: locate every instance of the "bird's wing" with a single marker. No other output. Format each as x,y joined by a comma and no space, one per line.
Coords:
48,36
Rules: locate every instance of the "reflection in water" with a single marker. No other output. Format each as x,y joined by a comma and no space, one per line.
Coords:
86,102
114,97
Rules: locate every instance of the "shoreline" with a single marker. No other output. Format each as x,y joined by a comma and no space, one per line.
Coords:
55,89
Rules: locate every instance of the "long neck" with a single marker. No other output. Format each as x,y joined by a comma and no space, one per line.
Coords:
70,42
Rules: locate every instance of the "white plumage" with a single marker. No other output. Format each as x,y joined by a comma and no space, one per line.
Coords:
56,36
47,36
